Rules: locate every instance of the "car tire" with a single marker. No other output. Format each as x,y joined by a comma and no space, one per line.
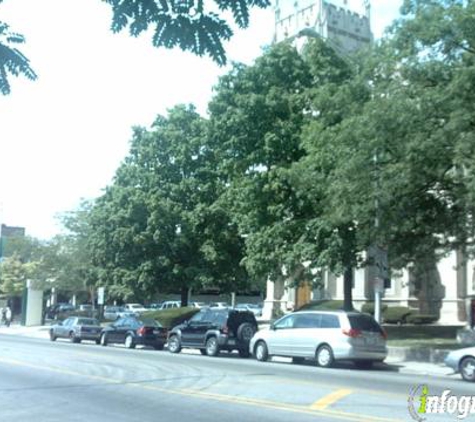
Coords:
467,368
203,352
245,332
103,339
174,345
129,341
244,353
298,360
73,338
98,341
52,337
325,356
364,364
261,352
212,347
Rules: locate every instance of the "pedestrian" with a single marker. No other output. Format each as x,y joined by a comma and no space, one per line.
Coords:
8,316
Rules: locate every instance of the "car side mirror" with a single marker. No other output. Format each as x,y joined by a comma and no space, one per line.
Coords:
272,327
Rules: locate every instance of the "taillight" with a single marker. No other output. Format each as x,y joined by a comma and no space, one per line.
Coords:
141,331
352,333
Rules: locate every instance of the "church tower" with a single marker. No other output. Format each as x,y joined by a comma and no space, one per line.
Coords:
345,24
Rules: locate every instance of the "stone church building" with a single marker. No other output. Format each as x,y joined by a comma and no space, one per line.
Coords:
445,288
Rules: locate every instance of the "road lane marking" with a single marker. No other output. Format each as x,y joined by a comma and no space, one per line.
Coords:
213,396
329,399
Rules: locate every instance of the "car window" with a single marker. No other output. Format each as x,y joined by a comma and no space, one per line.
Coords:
148,322
219,318
198,317
364,323
307,321
285,322
329,321
68,321
87,321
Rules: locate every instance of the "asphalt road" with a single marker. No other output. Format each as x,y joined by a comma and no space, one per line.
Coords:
42,381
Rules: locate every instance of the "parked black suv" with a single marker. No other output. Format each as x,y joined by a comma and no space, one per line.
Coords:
212,330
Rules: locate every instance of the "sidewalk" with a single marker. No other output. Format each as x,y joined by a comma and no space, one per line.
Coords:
397,359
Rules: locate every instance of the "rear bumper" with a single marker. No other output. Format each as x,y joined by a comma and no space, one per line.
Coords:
353,353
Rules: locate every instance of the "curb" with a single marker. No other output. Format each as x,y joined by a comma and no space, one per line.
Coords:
417,354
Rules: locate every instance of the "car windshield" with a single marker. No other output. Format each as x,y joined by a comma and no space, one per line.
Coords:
148,322
364,323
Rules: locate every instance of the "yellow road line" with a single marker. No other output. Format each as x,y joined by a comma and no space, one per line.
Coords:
329,399
217,397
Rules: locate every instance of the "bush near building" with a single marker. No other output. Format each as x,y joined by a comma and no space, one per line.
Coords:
169,318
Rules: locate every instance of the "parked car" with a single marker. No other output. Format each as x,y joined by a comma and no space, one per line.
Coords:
76,329
212,330
64,308
462,361
169,304
132,331
252,307
136,308
115,312
326,336
154,306
221,305
198,304
85,307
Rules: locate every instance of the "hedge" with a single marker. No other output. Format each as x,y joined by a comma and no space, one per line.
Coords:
396,314
368,308
419,319
171,317
330,305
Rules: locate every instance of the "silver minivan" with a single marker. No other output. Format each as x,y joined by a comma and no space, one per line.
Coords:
326,336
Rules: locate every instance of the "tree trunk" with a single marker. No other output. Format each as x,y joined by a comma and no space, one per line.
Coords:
347,288
184,296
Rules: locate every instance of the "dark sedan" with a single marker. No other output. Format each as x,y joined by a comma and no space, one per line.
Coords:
132,331
76,329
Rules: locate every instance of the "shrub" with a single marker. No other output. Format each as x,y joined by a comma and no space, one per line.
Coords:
320,305
171,317
421,318
368,308
396,314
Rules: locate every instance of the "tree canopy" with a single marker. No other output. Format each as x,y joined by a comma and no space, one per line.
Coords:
197,26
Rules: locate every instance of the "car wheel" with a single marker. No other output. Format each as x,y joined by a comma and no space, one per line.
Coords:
73,338
324,356
129,342
98,341
174,345
203,352
52,337
244,353
364,364
261,352
467,369
245,332
298,360
103,339
212,348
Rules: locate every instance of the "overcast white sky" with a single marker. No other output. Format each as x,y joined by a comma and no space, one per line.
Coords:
63,136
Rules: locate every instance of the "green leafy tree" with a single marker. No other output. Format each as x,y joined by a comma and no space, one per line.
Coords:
256,118
157,229
12,61
197,26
